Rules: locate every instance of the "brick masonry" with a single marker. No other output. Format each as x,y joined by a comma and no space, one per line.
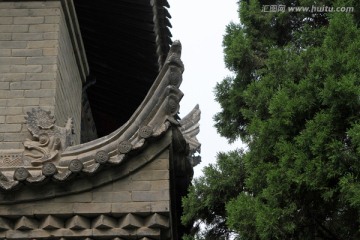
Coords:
146,191
68,82
37,68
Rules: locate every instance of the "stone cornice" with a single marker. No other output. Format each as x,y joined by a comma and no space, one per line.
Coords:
79,178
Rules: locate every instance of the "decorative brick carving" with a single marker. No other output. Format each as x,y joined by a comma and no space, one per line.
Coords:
189,129
78,223
11,159
52,223
39,119
101,157
157,221
124,147
49,169
173,104
49,140
81,227
145,132
175,76
21,174
76,166
104,222
131,221
26,223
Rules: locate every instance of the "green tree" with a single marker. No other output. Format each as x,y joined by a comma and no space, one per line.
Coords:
206,200
295,102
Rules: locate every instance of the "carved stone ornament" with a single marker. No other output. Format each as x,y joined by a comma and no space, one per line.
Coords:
175,76
76,166
21,174
173,104
124,147
145,132
49,169
101,157
48,140
190,128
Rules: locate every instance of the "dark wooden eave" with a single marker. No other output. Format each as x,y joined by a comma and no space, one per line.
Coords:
126,42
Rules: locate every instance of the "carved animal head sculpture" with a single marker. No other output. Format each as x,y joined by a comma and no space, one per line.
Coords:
48,140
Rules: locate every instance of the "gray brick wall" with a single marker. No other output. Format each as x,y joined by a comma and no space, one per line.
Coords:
37,68
146,191
68,82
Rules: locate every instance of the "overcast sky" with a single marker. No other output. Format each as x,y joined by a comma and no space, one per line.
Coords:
200,26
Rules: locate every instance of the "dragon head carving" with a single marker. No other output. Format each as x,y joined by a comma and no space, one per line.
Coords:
49,140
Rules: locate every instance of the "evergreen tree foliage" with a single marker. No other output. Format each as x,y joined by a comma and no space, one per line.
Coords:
295,102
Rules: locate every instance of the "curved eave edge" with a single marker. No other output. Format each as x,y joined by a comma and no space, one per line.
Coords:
190,128
161,29
152,119
85,179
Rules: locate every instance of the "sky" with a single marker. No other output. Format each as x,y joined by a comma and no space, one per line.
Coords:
200,26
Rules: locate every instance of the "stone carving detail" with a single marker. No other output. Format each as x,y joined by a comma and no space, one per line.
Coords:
175,77
101,157
49,169
21,174
131,221
25,223
124,147
11,159
173,104
49,140
145,132
52,223
92,226
104,222
76,166
175,54
190,127
78,223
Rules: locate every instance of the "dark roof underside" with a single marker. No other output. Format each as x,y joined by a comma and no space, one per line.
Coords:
123,55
